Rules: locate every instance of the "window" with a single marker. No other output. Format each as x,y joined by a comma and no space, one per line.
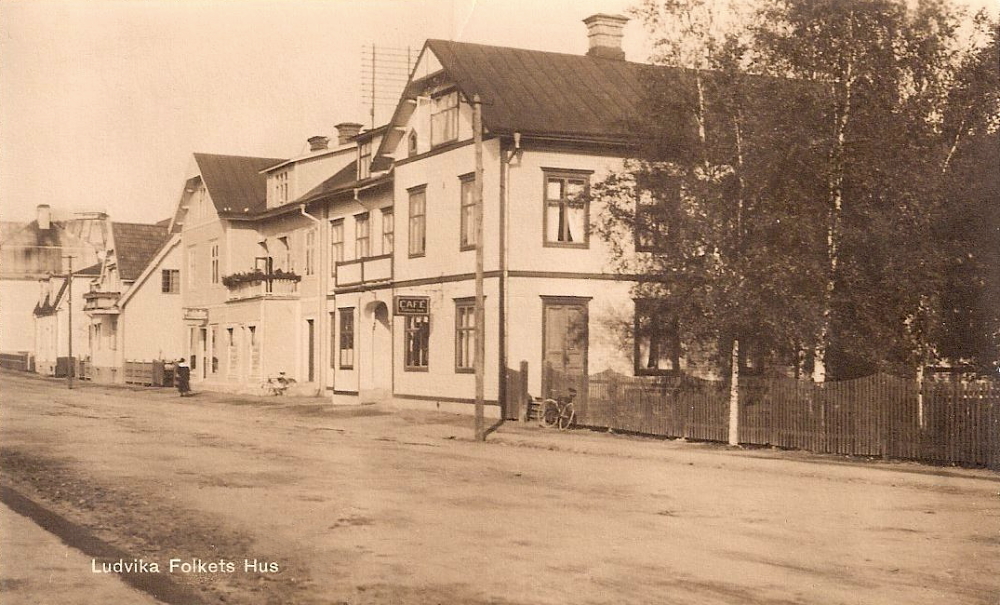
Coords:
652,211
657,340
388,227
288,260
171,281
418,222
336,244
280,188
444,118
333,339
113,333
362,236
566,209
347,338
192,267
465,335
254,351
467,213
215,263
97,336
417,340
232,352
310,251
411,144
365,159
214,347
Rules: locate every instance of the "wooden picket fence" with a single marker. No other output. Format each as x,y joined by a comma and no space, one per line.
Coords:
148,373
879,415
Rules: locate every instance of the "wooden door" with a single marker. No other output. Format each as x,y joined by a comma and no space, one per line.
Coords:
564,348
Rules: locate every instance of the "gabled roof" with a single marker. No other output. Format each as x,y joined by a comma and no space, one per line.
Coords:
235,183
150,268
536,92
135,246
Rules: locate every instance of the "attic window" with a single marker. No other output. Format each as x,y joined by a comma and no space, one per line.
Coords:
411,144
364,159
280,188
444,118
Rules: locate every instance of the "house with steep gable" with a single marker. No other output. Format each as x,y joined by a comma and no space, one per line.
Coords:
134,312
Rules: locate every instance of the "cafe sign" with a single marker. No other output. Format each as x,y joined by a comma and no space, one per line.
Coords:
412,305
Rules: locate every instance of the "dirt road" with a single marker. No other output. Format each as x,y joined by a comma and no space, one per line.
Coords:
372,505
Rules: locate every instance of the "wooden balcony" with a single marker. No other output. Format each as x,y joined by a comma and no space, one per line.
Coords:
371,270
101,303
267,286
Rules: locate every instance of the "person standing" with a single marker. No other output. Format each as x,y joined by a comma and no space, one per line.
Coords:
183,378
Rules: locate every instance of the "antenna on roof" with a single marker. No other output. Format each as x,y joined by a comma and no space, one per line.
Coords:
384,74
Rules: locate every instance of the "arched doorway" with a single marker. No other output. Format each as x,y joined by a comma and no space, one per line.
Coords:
375,376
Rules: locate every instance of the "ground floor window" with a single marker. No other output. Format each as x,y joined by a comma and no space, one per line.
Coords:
657,340
347,338
465,335
214,348
417,341
254,337
232,352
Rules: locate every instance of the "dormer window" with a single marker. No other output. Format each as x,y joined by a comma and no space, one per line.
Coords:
279,188
411,144
364,160
444,118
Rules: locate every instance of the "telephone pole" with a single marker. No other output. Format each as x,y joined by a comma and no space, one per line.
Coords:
477,138
71,369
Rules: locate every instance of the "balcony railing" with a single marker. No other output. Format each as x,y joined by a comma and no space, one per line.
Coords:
101,302
374,269
270,286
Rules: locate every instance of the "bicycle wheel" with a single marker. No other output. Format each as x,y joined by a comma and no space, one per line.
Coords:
566,416
549,414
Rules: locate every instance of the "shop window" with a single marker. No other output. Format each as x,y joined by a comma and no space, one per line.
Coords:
657,340
566,209
347,338
416,342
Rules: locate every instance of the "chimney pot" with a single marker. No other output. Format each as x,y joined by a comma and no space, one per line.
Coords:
346,131
44,217
604,33
318,143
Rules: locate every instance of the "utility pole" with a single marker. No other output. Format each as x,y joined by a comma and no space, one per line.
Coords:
69,307
477,139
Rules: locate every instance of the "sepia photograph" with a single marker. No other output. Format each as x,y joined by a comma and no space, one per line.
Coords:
500,302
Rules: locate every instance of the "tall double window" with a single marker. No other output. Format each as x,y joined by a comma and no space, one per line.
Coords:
657,340
653,211
192,259
215,262
567,208
416,342
346,347
336,244
467,213
364,159
465,335
418,221
310,267
280,188
388,228
444,118
362,236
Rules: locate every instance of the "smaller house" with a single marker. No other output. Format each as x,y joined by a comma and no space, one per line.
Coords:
59,322
134,308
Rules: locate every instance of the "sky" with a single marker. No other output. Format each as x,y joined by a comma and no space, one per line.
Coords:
103,102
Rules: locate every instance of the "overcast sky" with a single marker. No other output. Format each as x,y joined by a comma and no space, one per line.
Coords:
102,102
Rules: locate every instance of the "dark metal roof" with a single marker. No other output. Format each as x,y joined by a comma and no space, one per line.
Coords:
235,183
135,245
535,92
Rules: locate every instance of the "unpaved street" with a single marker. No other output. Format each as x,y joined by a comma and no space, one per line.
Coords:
374,505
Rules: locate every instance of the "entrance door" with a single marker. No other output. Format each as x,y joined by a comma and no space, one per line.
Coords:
564,347
311,352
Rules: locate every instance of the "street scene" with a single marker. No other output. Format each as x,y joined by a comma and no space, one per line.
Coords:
478,302
369,505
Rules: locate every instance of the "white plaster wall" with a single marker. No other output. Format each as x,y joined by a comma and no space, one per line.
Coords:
152,321
17,302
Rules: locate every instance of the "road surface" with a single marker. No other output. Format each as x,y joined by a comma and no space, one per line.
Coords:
296,501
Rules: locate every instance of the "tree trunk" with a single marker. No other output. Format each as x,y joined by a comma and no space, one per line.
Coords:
734,395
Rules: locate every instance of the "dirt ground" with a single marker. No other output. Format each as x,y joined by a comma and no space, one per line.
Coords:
375,505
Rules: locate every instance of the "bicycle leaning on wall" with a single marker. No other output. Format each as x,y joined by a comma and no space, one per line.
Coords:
558,412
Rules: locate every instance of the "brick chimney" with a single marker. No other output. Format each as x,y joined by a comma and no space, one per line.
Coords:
604,32
347,131
44,217
318,143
